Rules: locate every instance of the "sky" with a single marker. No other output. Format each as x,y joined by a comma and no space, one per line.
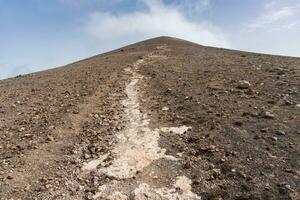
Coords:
41,34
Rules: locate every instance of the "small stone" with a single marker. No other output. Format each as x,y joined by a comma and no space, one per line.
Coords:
298,105
165,109
238,123
50,138
274,139
27,135
168,90
268,115
75,112
21,129
256,137
264,130
86,156
92,150
188,164
9,177
287,102
216,173
250,92
254,114
279,132
243,84
27,187
89,196
242,174
271,102
289,171
271,156
288,187
192,139
212,148
196,182
284,188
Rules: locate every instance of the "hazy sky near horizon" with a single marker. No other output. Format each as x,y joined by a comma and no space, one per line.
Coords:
41,34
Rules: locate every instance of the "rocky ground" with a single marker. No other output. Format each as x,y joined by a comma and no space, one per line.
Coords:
160,119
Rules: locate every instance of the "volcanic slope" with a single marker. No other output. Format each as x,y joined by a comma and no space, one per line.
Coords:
163,119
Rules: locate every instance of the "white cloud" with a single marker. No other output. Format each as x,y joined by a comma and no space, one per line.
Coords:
159,19
276,15
193,8
273,31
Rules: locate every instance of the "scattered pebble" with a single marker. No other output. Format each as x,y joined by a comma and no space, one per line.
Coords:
238,123
279,132
274,139
216,173
243,84
268,115
165,109
50,138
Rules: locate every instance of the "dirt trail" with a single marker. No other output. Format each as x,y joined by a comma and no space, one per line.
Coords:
136,149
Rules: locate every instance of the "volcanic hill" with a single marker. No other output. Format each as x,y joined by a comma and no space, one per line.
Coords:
163,119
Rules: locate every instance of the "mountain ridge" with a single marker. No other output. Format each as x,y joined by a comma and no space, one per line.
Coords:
155,41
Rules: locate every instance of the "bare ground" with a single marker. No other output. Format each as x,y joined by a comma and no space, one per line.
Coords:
160,119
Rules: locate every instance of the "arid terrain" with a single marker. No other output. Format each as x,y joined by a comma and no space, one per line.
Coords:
163,119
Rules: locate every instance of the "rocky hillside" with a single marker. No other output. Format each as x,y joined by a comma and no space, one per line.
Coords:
163,119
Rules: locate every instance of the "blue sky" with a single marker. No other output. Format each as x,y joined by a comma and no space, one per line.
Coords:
41,34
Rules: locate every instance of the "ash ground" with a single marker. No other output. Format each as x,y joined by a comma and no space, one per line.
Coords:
243,110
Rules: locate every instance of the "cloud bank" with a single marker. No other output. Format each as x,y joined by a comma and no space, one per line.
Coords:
277,15
157,20
275,30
